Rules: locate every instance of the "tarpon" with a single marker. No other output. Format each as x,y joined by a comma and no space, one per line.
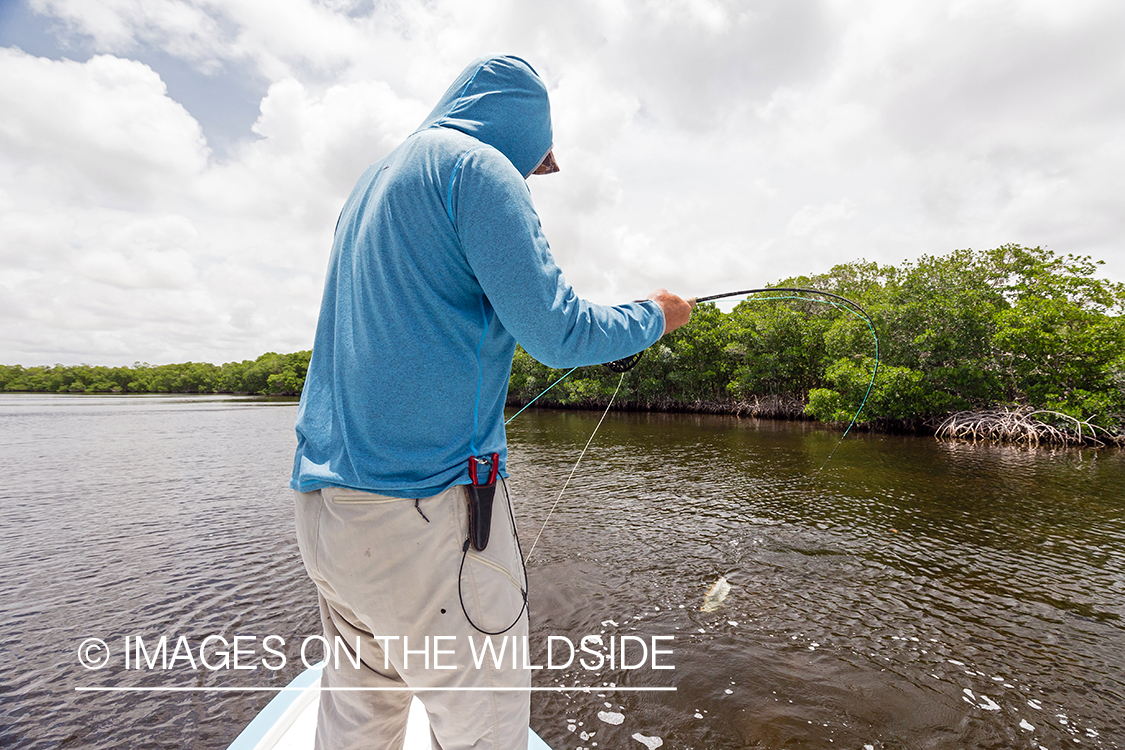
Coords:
714,597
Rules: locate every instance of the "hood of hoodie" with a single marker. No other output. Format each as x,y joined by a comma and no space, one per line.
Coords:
500,101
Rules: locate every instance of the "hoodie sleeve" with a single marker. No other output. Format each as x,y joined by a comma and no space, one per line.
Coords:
500,234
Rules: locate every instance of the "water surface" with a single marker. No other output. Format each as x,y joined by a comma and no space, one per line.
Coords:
914,594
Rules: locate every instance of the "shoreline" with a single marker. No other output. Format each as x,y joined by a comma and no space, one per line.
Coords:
1001,425
1010,425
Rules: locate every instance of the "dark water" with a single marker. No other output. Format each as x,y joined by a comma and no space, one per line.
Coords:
914,594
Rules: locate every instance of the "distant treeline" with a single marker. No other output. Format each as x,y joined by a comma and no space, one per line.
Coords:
270,374
1011,328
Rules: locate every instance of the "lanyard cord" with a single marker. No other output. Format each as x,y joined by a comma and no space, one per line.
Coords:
522,587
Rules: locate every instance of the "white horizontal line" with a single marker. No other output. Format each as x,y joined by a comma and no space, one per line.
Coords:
177,689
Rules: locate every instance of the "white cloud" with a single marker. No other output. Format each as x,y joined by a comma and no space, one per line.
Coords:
107,122
705,145
122,241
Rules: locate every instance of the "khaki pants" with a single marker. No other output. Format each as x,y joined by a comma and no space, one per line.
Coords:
394,580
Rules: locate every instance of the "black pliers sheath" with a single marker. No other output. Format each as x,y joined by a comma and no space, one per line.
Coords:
480,498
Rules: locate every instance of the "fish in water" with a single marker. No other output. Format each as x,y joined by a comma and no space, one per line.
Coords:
713,599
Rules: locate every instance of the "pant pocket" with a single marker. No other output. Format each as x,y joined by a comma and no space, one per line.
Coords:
341,496
308,506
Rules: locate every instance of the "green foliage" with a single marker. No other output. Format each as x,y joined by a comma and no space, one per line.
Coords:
899,393
1060,356
269,374
968,330
777,346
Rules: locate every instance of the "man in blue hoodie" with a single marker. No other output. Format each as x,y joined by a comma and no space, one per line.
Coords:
438,267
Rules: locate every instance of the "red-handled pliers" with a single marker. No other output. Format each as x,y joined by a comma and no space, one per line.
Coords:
492,473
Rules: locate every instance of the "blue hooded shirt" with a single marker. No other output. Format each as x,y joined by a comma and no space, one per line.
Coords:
438,267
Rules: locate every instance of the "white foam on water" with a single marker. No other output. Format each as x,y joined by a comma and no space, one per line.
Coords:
698,715
1024,724
988,704
1038,706
650,742
982,701
611,717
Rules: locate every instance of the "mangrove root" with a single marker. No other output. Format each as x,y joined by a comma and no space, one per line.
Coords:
1028,426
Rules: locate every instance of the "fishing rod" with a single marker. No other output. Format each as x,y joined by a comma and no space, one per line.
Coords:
852,306
798,289
625,364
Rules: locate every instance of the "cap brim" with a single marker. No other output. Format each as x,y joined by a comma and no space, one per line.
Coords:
548,165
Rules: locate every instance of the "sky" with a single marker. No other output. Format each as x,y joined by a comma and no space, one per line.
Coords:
171,170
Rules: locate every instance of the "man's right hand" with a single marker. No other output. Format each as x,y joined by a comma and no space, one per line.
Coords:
677,310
